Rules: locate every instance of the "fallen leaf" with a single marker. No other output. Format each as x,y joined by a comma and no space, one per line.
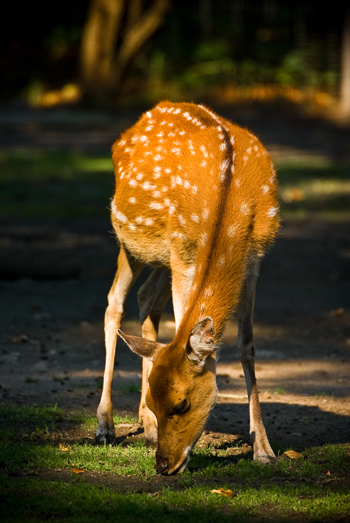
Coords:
154,494
223,492
292,454
328,473
78,471
64,448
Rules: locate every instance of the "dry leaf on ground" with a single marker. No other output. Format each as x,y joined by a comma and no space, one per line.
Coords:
292,454
223,492
78,471
64,448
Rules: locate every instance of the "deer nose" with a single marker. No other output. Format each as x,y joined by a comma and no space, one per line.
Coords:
162,465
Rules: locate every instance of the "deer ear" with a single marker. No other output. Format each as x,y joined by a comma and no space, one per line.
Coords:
201,341
141,346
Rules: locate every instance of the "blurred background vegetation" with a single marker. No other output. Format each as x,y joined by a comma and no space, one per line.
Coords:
114,52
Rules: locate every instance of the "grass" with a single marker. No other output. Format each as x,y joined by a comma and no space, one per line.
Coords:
52,185
73,185
314,186
121,482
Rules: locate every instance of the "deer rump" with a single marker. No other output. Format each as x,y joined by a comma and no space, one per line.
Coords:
195,198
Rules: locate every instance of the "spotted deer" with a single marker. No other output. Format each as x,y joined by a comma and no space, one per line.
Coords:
196,199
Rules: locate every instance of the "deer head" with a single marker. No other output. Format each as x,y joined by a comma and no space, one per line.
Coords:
182,391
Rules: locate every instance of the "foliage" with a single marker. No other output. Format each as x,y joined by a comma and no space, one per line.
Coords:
238,43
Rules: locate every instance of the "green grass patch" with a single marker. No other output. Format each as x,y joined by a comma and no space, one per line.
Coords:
37,184
314,486
314,186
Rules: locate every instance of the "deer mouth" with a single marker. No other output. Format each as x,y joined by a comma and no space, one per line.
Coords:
177,468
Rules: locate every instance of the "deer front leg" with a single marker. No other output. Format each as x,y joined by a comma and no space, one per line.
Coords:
127,272
261,446
152,298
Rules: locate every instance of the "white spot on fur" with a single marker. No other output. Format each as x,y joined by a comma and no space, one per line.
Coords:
133,183
221,261
272,212
205,213
195,217
139,219
208,291
139,176
204,151
131,226
231,230
120,216
181,219
132,200
187,184
178,180
265,189
203,237
244,208
171,209
238,182
148,221
223,169
156,205
194,189
143,138
148,186
149,114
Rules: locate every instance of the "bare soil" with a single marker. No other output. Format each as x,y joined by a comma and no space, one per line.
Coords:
55,276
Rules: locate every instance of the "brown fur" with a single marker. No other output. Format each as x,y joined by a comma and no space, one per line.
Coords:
195,195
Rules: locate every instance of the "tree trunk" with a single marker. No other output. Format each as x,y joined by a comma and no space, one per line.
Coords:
345,67
114,32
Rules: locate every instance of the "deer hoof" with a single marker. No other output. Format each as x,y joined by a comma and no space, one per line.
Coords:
108,439
266,459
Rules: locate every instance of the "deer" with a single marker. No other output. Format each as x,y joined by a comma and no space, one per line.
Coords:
196,200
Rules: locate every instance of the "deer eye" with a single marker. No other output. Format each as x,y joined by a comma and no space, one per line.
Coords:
181,407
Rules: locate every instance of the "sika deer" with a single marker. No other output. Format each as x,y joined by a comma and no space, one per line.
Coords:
196,199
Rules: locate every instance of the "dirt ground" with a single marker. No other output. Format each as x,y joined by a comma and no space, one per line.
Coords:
55,276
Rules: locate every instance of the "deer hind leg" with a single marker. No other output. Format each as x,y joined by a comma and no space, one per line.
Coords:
127,272
152,297
261,446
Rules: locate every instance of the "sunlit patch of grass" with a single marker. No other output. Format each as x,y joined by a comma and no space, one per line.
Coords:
79,501
55,184
30,414
314,185
38,166
289,487
90,422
